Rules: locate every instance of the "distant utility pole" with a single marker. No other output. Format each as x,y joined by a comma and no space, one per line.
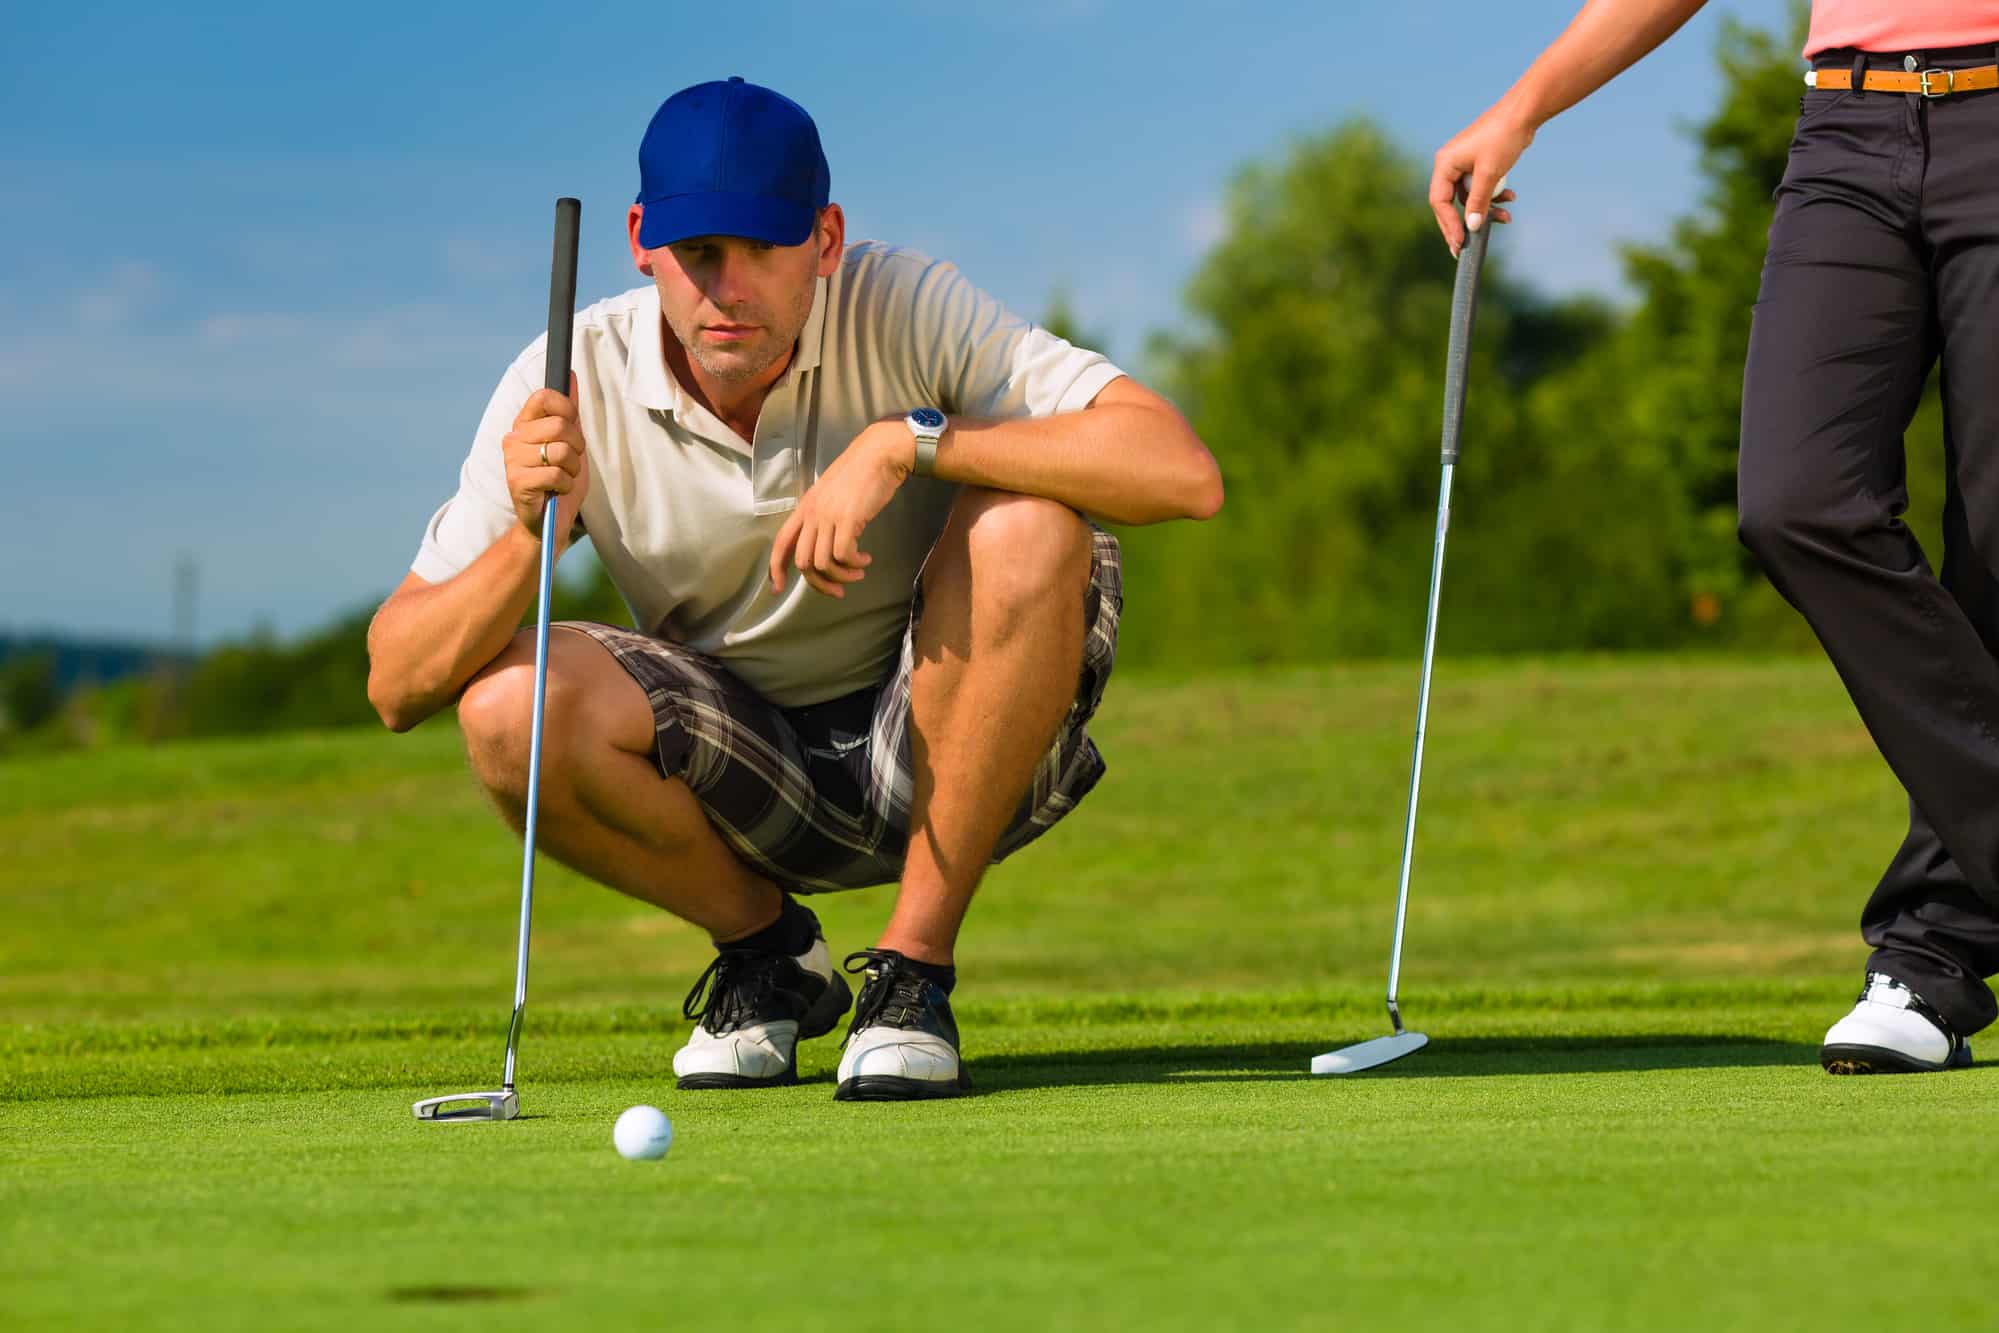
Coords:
187,584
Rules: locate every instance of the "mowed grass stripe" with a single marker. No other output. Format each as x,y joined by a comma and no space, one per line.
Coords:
1131,1039
1595,820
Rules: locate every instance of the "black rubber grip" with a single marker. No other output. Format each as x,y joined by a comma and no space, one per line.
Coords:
1464,307
562,293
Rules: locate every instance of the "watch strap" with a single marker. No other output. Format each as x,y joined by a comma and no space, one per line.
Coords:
927,425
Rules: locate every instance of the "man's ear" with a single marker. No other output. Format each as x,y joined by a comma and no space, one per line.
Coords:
832,235
632,219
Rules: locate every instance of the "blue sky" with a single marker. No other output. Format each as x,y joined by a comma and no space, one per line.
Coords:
264,264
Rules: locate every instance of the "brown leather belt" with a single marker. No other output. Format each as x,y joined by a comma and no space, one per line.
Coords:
1927,82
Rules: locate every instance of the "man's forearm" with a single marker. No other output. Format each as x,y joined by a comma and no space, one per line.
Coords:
429,639
1129,458
1604,39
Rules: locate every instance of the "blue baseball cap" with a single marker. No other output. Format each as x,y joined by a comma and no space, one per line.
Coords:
730,158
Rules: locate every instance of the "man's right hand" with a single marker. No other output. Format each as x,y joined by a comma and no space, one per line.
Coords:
544,454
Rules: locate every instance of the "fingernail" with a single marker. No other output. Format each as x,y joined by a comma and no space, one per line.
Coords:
1454,252
1473,221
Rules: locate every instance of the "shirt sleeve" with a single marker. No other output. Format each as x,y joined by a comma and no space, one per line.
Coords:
482,511
982,360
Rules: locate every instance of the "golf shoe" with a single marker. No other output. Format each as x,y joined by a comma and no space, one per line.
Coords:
903,1045
1892,1031
757,1008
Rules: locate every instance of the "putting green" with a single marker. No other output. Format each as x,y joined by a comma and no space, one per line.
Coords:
233,966
1635,1164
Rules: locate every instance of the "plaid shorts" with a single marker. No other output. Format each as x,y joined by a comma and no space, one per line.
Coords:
818,798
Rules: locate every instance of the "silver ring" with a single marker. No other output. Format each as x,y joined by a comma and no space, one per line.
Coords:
544,455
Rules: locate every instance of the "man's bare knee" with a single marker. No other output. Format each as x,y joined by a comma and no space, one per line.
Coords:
1026,552
495,714
592,712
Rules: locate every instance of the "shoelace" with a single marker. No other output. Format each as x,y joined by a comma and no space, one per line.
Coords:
893,996
740,988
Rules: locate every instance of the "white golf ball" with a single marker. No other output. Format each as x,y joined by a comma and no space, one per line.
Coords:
642,1134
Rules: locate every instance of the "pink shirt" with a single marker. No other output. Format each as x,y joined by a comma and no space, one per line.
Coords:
1901,25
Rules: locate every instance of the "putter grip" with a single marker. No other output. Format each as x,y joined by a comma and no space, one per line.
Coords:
562,292
1457,361
561,310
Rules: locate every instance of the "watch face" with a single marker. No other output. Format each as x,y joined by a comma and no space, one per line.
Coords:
927,417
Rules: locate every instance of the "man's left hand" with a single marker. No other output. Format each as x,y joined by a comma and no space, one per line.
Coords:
822,538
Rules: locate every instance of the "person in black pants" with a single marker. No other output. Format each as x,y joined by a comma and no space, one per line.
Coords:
1883,262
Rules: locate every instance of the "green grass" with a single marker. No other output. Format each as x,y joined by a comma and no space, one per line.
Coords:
231,966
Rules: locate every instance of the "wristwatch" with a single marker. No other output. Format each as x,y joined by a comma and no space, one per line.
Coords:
927,424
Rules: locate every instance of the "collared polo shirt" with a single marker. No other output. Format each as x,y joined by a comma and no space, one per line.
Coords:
682,511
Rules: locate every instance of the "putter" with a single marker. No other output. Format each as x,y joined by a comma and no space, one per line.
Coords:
460,1107
1464,304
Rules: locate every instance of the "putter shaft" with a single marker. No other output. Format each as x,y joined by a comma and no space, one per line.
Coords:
1416,760
534,784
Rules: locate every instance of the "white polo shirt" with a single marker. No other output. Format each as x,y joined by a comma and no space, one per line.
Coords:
683,511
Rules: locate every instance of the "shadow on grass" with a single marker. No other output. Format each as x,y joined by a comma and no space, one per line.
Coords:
1460,1057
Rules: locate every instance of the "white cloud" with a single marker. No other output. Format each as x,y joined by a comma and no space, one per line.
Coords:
237,329
403,338
244,358
411,338
483,259
120,297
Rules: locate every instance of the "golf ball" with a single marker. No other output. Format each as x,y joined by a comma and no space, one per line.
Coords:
642,1133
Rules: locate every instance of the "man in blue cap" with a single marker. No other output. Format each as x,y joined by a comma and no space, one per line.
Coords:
841,490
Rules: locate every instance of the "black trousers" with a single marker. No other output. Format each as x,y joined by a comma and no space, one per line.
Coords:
1884,263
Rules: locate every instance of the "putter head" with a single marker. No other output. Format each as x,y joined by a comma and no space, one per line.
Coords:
503,1105
1368,1054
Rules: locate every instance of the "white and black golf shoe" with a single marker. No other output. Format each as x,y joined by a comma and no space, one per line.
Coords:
903,1045
1892,1031
758,1007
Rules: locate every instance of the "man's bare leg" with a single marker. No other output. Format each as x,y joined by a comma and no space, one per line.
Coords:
604,808
606,811
997,654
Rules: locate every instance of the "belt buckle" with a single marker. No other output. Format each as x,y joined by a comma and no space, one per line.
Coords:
1949,77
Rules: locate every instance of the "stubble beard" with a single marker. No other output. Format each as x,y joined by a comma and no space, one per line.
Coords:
739,362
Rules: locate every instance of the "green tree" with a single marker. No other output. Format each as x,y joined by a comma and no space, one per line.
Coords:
1316,379
29,694
261,685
